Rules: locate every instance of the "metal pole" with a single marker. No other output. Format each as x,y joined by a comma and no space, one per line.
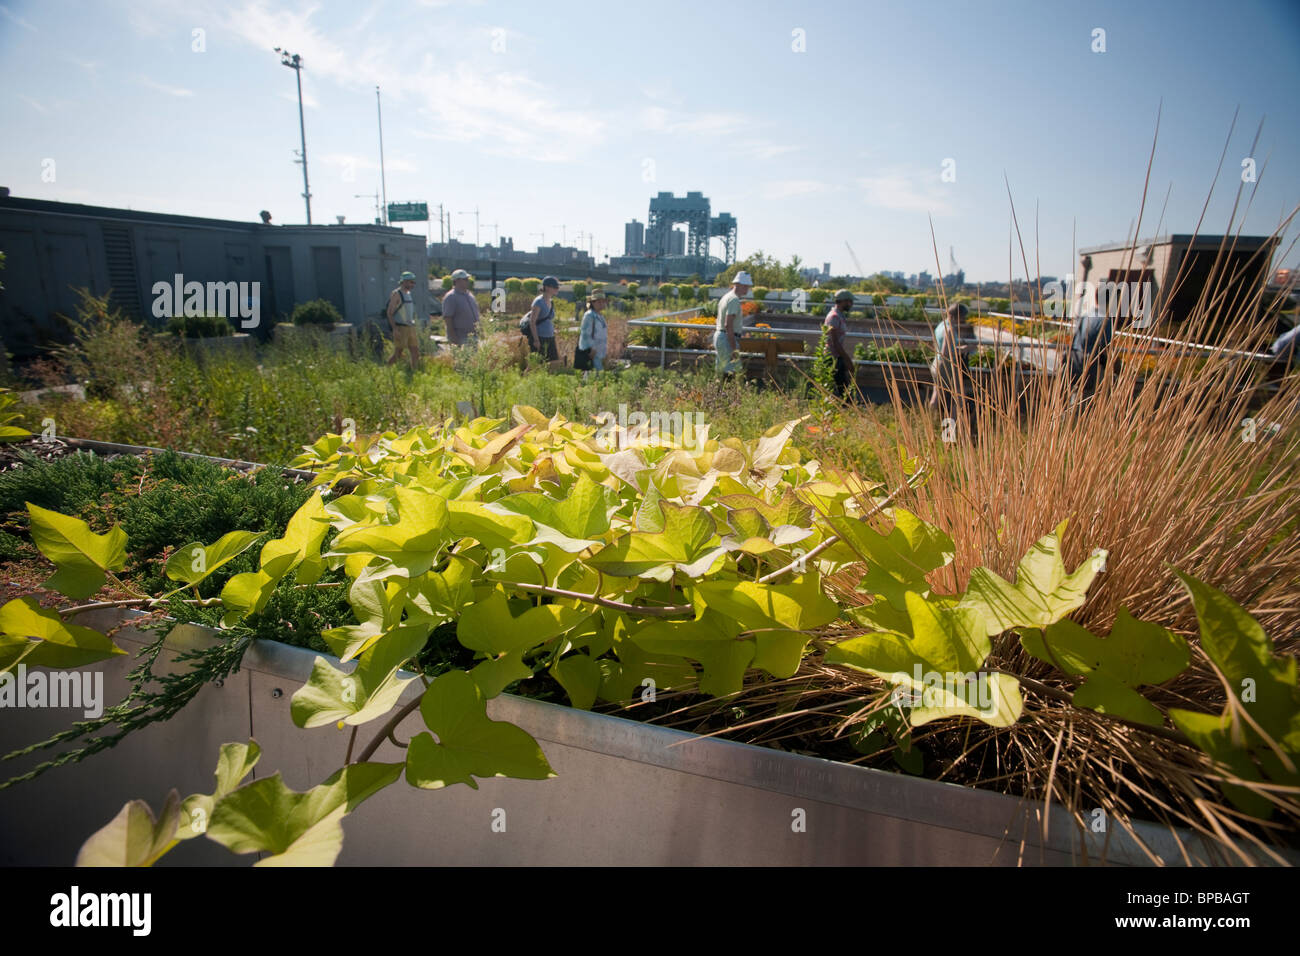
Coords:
302,131
382,184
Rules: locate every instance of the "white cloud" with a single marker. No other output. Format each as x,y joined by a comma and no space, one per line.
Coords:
908,190
164,88
308,101
343,160
659,119
767,149
11,16
32,103
499,111
786,188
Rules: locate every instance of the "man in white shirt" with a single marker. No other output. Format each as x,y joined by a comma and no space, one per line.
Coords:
730,323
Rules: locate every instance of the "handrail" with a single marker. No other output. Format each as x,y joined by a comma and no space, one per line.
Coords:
1262,356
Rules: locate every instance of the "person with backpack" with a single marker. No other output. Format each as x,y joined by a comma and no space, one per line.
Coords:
538,326
1089,347
401,319
592,335
953,391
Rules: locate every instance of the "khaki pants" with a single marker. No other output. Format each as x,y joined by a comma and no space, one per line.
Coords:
406,338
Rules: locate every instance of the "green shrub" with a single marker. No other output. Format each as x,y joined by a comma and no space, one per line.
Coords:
650,336
631,288
760,293
532,285
817,296
579,291
514,285
199,326
446,283
316,312
668,291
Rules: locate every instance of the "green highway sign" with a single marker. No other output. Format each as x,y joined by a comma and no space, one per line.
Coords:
408,211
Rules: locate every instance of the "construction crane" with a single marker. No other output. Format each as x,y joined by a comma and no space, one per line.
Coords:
952,263
854,255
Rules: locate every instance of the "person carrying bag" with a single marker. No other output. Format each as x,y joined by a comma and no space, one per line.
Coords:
593,335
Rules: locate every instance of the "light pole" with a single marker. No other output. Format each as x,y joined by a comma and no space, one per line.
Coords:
382,183
294,62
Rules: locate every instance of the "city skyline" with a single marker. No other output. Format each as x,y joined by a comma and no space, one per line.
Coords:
505,116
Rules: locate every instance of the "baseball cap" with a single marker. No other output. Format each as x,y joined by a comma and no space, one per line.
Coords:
551,281
408,275
460,274
743,278
843,295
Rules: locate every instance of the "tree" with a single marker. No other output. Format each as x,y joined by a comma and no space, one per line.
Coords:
765,271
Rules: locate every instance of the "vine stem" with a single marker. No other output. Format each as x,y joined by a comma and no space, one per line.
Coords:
666,610
133,602
803,558
386,731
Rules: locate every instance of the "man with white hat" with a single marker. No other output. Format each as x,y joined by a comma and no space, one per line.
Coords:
401,319
460,310
730,323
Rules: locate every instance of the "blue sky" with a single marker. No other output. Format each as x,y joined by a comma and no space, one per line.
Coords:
562,119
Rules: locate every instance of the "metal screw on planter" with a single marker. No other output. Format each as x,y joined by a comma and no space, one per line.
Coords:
277,693
218,683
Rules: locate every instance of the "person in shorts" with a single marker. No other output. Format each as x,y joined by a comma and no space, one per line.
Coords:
541,320
730,324
401,319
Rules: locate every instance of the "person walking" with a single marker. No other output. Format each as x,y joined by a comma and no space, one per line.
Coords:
541,320
837,340
593,334
953,392
1093,332
730,323
401,319
460,310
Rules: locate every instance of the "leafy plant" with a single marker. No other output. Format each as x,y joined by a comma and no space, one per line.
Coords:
199,326
609,561
8,414
320,312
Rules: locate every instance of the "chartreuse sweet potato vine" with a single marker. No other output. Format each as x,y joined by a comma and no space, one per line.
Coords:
620,562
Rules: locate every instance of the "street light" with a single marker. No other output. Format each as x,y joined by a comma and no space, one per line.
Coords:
294,62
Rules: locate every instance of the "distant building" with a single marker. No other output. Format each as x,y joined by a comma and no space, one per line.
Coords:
463,255
634,238
1171,274
677,243
54,248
